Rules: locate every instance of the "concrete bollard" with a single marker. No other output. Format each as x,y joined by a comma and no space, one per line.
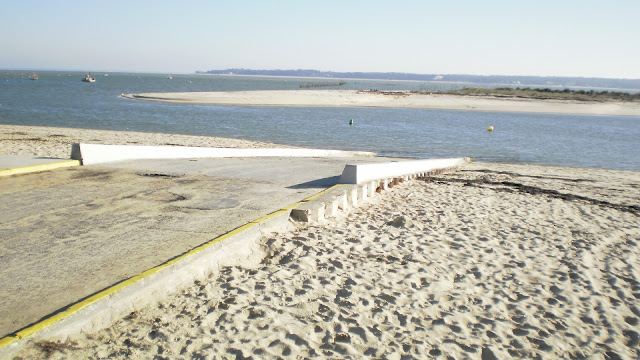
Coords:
373,186
362,193
335,201
352,197
342,202
309,211
331,208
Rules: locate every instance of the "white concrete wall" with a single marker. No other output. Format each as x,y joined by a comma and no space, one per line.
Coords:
98,153
361,173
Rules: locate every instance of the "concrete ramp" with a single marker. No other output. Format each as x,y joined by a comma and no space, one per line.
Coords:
90,154
78,237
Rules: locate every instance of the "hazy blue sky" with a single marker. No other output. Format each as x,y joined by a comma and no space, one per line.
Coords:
556,37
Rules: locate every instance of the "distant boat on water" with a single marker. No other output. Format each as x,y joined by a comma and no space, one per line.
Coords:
88,78
33,76
169,77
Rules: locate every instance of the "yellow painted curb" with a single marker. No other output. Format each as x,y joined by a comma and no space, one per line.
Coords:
39,167
321,192
7,340
272,215
27,332
312,197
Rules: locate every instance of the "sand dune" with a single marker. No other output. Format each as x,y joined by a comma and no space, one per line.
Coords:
491,261
354,98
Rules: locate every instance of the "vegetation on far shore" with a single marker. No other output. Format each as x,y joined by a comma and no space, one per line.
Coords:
445,79
547,94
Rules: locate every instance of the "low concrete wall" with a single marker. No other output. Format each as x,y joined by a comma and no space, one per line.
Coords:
362,173
344,197
98,153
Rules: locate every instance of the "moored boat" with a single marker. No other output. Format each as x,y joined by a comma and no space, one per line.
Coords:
88,78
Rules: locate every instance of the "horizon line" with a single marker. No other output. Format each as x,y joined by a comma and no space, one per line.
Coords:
421,74
200,72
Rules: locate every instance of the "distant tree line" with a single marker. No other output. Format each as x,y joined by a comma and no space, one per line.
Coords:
548,94
548,81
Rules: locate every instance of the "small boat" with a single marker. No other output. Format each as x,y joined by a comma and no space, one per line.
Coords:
33,76
88,78
169,77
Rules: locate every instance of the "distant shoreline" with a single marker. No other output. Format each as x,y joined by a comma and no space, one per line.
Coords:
355,98
513,80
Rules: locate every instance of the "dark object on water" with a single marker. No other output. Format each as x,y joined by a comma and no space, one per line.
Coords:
88,78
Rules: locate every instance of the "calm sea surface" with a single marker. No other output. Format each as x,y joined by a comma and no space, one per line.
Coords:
60,99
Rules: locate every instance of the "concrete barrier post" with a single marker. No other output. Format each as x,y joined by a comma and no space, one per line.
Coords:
352,197
332,206
310,211
362,193
342,202
372,188
320,212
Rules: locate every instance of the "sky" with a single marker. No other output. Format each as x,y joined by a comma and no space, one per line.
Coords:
540,38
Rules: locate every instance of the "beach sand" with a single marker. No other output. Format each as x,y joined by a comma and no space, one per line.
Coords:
354,98
56,142
489,261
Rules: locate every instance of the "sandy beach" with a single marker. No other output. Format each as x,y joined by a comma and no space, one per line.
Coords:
56,142
355,98
489,261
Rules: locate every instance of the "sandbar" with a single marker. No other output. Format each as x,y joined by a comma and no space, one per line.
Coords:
355,98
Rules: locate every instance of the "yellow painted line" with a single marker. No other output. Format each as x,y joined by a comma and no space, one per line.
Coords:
321,192
123,284
39,167
293,206
7,340
267,217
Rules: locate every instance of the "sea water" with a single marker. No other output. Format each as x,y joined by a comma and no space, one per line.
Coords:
61,99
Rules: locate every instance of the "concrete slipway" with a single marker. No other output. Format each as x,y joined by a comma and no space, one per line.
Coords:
68,234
